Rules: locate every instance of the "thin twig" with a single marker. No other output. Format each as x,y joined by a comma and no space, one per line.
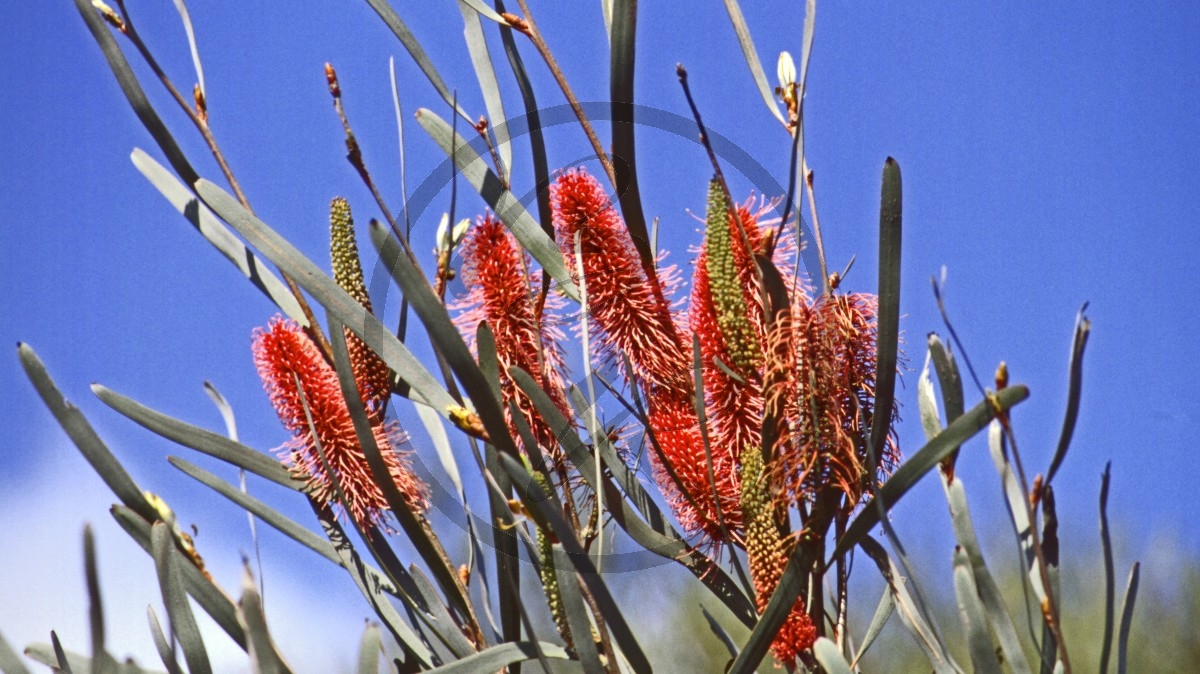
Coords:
816,224
354,156
527,26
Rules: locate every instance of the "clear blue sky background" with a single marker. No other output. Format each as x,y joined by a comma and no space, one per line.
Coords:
1048,160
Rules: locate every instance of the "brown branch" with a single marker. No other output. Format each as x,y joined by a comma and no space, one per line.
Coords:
527,26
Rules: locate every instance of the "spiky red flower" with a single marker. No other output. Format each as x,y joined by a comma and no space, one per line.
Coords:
628,308
500,293
303,386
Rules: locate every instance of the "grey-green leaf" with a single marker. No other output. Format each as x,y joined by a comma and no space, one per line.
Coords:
503,202
827,653
199,439
179,611
347,310
83,435
217,234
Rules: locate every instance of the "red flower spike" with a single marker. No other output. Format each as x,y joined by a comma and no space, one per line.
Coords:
499,293
294,373
628,309
677,431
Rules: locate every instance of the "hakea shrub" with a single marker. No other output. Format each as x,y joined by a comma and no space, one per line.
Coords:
304,389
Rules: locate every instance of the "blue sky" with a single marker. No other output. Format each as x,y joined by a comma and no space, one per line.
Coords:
1047,157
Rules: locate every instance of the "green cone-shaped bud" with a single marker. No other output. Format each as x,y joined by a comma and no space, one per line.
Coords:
343,248
729,302
370,372
549,575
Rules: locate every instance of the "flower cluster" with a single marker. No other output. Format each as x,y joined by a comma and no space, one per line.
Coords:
788,376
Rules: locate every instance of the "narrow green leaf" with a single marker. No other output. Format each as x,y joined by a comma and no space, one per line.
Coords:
485,72
827,653
199,439
1127,617
535,498
971,613
369,648
412,644
264,656
751,56
211,598
217,234
949,378
101,660
573,606
441,620
498,657
410,521
931,422
887,323
883,611
1083,327
83,435
181,7
345,308
1014,500
179,612
485,11
925,459
989,592
397,25
624,151
10,662
909,608
506,206
1109,575
160,643
537,142
504,545
52,655
133,91
267,514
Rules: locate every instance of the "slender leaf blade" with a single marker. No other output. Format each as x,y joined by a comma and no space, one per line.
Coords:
179,612
415,50
830,656
925,459
506,206
210,597
134,93
971,613
1083,328
199,439
485,72
217,234
369,648
750,53
83,435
